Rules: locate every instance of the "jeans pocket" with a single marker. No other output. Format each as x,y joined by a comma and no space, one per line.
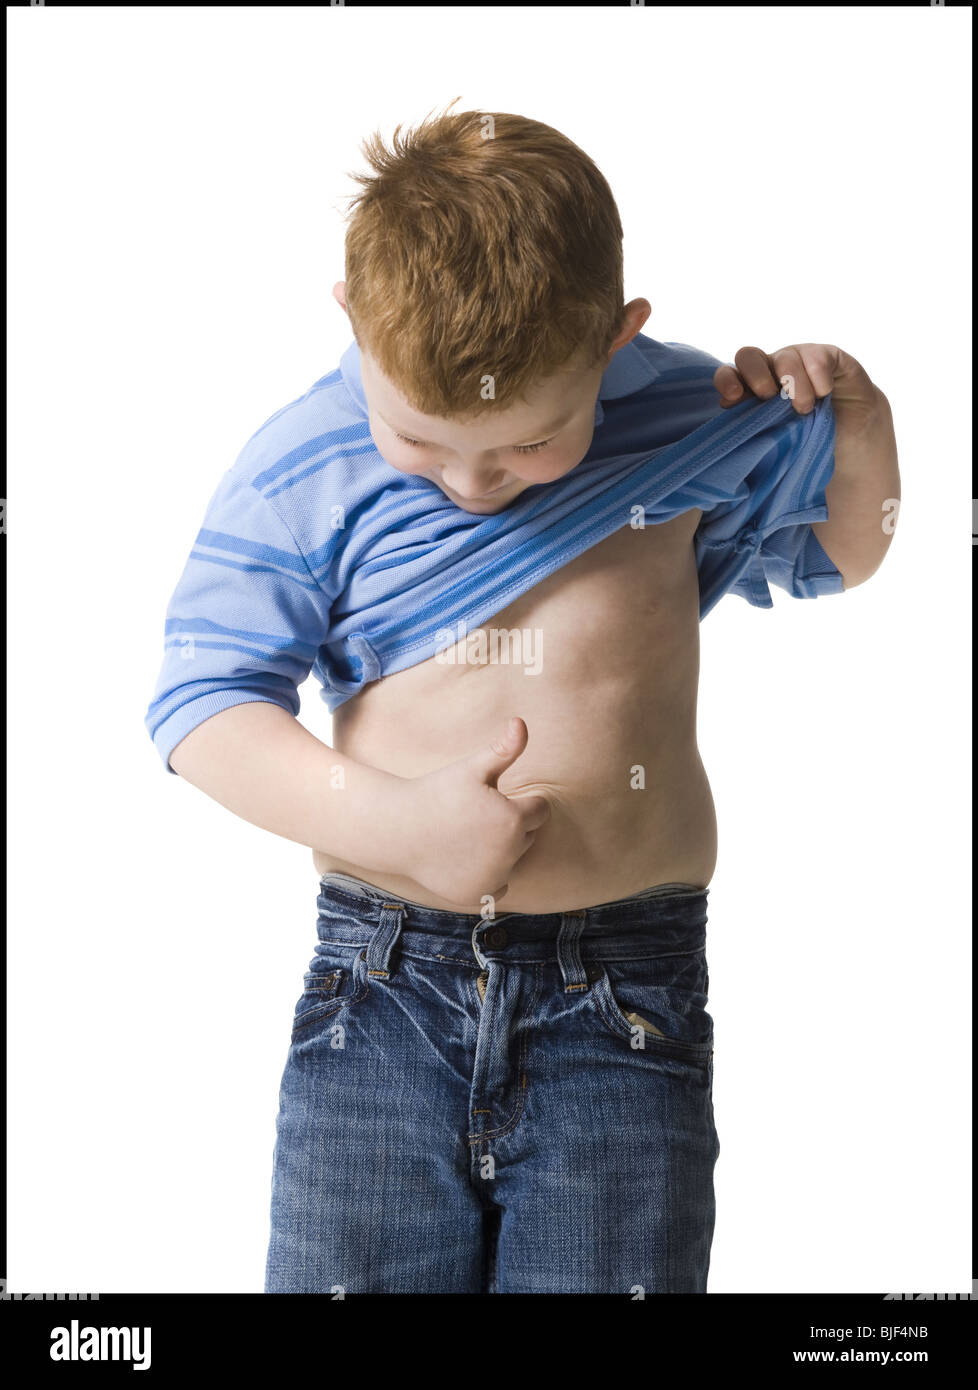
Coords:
334,981
657,1005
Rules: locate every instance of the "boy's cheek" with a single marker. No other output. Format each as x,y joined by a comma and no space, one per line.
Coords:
393,453
570,458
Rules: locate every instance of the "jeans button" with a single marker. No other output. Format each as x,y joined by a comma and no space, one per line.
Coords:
496,938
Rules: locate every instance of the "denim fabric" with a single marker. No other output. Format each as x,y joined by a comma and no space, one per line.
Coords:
515,1105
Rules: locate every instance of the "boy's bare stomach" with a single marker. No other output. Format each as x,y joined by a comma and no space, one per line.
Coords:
605,677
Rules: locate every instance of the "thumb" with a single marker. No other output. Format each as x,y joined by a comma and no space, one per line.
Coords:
491,762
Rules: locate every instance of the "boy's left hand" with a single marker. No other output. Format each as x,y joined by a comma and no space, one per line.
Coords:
811,370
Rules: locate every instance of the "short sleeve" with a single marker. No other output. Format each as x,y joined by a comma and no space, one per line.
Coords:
245,621
760,502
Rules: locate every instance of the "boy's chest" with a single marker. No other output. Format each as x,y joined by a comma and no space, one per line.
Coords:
620,620
637,574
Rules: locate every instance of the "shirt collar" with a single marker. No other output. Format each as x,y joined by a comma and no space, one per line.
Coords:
350,371
628,371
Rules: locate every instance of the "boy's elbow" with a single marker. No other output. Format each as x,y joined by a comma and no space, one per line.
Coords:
858,572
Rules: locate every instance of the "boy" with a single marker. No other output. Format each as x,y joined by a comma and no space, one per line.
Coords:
474,1100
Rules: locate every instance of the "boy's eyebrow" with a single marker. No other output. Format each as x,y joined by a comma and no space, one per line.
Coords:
546,434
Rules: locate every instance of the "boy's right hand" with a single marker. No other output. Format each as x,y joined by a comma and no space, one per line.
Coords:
469,834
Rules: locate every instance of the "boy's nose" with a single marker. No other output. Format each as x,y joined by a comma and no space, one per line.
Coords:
472,489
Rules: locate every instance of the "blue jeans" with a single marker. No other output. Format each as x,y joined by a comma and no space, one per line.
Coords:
517,1105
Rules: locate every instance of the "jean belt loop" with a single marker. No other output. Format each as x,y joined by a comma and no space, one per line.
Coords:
572,926
384,939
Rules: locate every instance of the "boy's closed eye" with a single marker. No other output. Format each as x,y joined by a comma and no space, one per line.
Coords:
516,448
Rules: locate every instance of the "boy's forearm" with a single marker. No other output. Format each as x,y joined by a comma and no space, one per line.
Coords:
259,762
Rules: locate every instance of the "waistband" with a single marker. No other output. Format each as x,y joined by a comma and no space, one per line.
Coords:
661,920
362,888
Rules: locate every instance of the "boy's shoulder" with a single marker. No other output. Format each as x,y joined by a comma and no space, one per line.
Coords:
313,453
322,420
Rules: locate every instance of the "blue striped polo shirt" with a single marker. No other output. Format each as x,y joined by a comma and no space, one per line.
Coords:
316,555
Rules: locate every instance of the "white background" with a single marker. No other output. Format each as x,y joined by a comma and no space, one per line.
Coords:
177,189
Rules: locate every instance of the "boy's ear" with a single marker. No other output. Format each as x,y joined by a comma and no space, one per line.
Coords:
637,312
339,294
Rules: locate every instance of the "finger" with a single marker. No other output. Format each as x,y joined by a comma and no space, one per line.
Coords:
794,380
756,372
534,811
530,841
503,750
729,385
820,360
